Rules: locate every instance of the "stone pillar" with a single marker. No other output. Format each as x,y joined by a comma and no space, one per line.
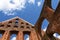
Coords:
20,36
6,35
33,36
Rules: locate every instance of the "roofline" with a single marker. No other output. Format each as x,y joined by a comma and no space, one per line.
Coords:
16,17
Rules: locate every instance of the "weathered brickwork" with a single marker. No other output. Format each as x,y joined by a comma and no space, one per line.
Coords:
21,27
53,17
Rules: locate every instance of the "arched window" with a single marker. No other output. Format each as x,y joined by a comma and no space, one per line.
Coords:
26,37
56,35
13,37
16,22
1,33
54,3
44,24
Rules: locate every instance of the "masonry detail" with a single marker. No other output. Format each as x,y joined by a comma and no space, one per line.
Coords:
19,27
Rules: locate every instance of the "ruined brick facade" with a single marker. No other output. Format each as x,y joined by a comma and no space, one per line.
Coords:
53,16
21,27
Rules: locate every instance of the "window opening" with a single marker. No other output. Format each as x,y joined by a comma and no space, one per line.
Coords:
56,35
22,26
26,35
13,37
44,25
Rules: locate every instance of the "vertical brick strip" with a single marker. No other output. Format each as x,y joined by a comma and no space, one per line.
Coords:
33,36
20,36
6,36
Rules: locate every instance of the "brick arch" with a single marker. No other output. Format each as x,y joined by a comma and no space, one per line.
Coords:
13,32
28,33
47,13
55,25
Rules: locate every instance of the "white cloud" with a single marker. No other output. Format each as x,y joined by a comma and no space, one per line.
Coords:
44,29
56,35
9,6
27,38
39,3
14,38
31,1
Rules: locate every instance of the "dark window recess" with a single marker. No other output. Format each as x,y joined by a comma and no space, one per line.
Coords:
17,19
32,26
1,33
8,25
27,24
16,22
10,21
22,23
15,26
22,27
27,27
2,25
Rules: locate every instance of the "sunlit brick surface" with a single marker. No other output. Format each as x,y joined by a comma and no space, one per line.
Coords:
19,27
53,17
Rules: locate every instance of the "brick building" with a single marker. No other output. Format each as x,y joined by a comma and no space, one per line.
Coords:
19,27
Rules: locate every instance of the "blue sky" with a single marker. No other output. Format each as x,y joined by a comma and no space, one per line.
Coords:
30,13
28,10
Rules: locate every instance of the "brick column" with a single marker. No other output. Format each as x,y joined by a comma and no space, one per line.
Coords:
6,35
33,36
20,36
